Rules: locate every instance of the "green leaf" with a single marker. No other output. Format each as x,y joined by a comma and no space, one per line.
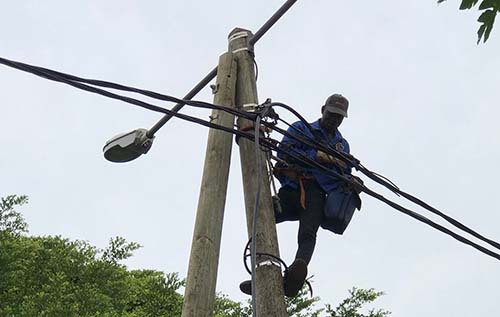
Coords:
489,26
486,4
480,33
487,17
468,4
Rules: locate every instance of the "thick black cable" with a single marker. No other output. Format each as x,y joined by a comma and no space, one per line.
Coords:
74,81
54,76
377,177
449,219
365,189
391,186
87,87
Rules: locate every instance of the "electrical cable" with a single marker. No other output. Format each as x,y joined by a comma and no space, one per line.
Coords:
71,79
381,179
394,205
273,146
364,188
256,69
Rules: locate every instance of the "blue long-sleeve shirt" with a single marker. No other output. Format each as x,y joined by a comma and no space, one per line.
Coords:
299,129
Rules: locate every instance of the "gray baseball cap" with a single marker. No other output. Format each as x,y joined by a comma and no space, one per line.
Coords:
337,103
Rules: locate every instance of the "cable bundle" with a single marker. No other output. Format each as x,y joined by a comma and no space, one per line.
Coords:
264,111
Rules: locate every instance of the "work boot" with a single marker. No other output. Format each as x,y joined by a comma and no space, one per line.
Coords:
295,277
246,287
292,282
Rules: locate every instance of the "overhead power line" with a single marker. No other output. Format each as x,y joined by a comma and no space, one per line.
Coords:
86,84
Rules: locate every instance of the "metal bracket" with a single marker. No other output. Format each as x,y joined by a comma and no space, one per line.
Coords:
215,88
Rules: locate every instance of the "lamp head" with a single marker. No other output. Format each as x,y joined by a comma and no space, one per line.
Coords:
126,147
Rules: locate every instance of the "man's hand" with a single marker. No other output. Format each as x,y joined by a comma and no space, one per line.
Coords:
323,157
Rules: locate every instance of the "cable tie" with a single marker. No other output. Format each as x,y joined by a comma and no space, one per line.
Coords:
250,107
238,35
242,35
267,263
241,50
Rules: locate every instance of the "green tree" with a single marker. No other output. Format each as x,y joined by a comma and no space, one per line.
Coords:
351,306
305,306
489,10
11,220
54,276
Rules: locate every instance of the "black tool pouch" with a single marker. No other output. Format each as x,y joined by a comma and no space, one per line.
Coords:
339,209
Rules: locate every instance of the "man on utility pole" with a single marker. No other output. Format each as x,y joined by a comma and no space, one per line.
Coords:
308,194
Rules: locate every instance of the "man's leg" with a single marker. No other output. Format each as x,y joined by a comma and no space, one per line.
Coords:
310,220
289,201
289,209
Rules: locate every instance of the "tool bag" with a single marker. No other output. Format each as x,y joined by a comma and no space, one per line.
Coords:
339,208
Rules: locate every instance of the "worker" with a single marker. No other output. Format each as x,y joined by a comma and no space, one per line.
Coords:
310,195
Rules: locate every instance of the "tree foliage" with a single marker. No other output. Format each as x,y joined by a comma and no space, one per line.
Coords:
351,306
11,220
54,276
489,10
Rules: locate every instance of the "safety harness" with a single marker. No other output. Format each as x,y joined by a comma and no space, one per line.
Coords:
296,174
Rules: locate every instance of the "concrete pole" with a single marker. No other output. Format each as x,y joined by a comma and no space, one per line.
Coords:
199,295
269,289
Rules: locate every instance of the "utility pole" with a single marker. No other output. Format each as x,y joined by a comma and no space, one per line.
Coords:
269,282
199,295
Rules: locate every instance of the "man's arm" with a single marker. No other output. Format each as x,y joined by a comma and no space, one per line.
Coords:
288,144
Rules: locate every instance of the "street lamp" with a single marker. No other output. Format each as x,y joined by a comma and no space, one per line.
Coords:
126,147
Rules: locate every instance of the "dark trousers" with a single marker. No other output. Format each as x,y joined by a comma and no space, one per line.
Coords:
309,218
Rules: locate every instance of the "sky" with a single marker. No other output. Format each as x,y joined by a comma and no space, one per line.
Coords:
423,112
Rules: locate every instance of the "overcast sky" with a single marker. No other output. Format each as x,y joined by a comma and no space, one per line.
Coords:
423,111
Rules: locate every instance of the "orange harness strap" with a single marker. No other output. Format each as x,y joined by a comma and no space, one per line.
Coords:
299,177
